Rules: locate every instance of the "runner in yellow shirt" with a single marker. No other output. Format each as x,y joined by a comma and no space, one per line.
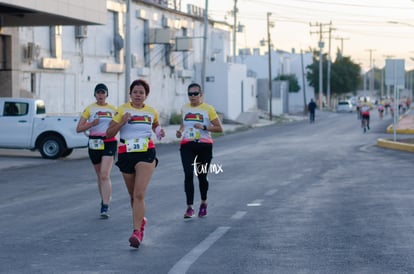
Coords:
136,121
95,119
196,149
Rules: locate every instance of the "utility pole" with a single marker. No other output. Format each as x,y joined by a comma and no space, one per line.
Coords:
342,44
128,50
321,45
269,47
328,76
303,83
234,30
371,73
203,68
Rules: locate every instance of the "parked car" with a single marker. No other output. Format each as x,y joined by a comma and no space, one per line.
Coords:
25,125
344,106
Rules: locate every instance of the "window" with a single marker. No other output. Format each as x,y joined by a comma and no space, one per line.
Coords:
5,49
40,108
15,109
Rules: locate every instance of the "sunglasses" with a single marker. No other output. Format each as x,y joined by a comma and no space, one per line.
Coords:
193,93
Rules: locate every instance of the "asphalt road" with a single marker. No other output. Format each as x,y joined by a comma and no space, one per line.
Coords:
287,198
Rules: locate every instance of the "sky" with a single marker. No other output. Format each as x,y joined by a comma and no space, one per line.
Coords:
368,31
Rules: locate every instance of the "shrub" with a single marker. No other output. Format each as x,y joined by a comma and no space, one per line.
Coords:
175,119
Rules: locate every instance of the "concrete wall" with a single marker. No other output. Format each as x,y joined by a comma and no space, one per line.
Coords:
278,97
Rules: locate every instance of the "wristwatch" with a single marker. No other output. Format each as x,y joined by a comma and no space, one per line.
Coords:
204,127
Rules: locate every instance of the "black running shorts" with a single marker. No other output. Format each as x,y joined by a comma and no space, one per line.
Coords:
109,150
127,161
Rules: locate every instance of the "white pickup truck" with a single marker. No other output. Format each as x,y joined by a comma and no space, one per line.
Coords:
24,124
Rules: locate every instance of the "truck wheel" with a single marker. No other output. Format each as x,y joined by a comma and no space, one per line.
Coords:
67,152
52,147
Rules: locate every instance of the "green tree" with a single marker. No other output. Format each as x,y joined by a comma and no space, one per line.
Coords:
345,74
292,80
312,71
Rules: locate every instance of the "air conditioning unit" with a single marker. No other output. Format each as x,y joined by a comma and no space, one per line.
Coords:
161,36
81,32
140,14
183,44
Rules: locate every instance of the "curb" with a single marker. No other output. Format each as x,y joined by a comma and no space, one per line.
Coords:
390,129
384,143
405,124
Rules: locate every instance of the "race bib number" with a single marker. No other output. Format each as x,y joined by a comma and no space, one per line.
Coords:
192,134
137,145
365,109
96,144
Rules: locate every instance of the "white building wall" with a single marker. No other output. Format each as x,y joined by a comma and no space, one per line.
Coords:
237,75
296,99
249,94
70,89
219,45
282,63
215,88
93,59
226,86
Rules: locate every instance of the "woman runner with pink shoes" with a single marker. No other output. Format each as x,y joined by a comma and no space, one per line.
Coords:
196,148
136,152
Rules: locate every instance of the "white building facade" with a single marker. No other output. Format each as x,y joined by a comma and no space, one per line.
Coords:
61,64
283,63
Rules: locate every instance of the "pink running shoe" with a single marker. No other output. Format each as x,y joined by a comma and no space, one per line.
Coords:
189,213
143,223
203,211
135,239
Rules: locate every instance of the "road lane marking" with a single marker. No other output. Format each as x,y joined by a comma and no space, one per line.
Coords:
185,262
238,215
256,203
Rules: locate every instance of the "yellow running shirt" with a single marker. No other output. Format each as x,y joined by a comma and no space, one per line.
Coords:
138,128
103,113
202,114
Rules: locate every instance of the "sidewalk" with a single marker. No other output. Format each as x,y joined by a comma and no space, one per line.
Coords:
404,126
